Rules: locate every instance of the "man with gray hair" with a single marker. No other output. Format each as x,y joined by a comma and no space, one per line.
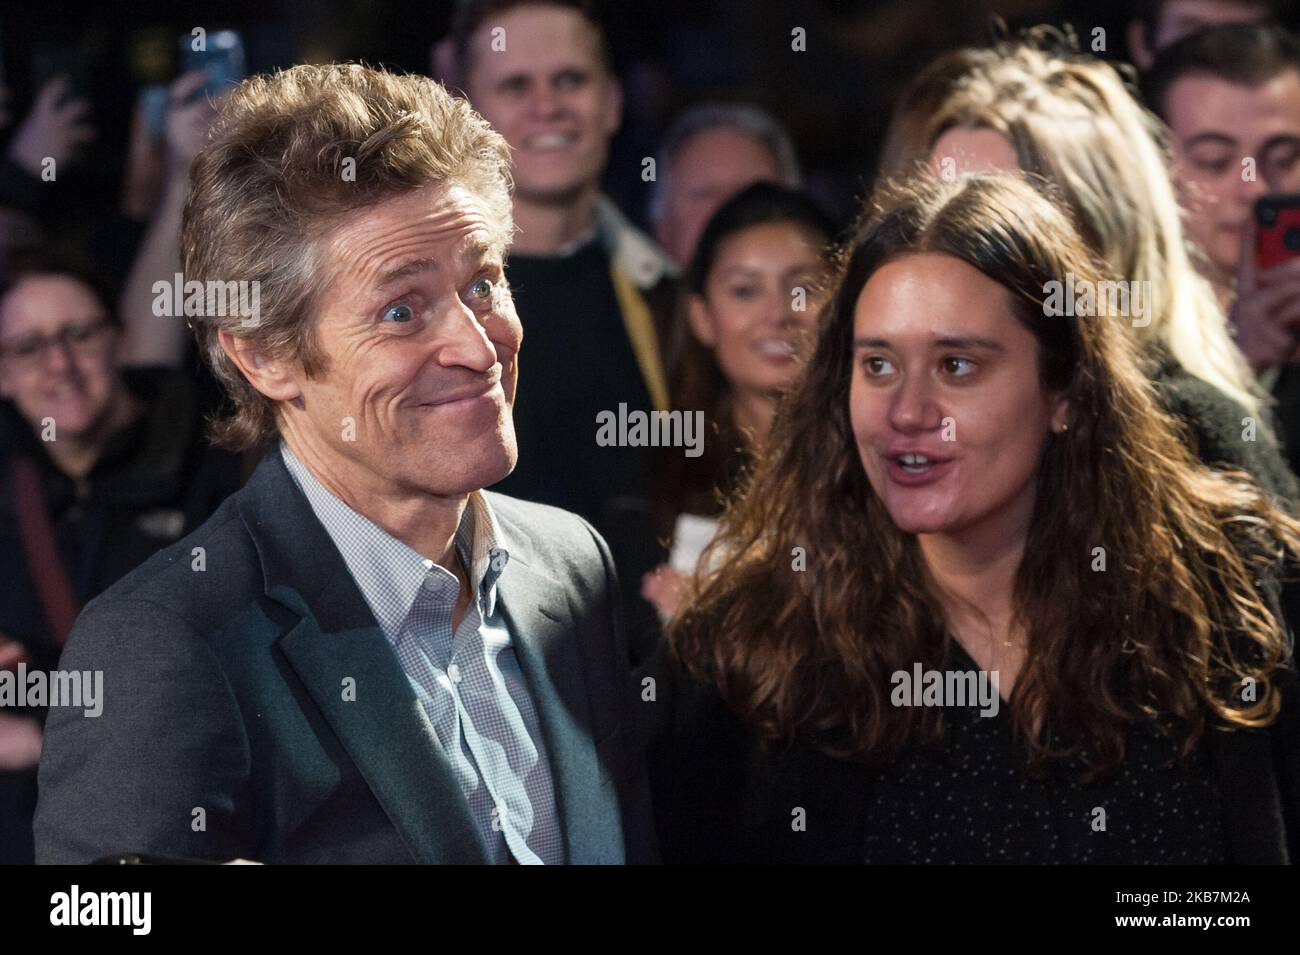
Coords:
710,153
362,656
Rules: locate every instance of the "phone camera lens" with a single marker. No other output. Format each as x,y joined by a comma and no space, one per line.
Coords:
1291,239
1267,215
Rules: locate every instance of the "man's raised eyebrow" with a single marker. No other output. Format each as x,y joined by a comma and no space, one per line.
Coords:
477,248
480,247
405,270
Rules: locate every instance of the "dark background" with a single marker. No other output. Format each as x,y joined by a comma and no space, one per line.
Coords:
835,97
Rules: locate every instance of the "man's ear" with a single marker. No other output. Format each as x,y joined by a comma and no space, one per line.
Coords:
697,313
1141,54
275,379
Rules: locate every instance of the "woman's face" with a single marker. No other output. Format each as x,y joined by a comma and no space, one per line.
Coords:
759,302
58,354
945,400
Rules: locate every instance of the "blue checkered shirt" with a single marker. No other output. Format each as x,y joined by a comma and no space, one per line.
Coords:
469,683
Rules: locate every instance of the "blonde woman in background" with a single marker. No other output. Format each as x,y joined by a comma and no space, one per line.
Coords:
1038,106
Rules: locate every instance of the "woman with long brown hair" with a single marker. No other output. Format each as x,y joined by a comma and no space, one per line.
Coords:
968,481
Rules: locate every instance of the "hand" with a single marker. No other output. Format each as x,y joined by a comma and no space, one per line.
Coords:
146,168
20,742
52,129
665,588
1265,318
188,122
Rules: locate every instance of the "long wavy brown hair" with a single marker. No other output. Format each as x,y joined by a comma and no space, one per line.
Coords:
1170,631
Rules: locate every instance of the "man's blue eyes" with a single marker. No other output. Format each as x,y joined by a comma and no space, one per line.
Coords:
481,289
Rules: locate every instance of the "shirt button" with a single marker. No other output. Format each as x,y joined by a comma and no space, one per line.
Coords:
453,671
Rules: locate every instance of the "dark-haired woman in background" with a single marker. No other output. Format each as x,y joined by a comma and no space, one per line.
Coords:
979,487
750,298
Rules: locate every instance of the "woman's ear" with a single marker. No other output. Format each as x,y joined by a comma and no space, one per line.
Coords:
275,379
1061,415
697,313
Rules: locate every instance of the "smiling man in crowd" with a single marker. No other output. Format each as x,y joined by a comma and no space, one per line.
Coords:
362,656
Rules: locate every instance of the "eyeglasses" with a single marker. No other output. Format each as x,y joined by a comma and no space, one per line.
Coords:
84,338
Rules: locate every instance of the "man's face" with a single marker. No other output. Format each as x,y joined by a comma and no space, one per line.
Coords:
549,94
57,356
421,343
1217,126
708,170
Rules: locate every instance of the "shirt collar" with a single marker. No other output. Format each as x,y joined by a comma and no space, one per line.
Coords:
388,571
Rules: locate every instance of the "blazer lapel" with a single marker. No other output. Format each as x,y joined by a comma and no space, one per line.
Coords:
383,728
386,733
542,628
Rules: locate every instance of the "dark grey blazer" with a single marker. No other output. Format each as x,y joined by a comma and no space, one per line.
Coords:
225,732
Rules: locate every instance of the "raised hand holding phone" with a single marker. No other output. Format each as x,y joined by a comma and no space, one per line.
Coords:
1266,314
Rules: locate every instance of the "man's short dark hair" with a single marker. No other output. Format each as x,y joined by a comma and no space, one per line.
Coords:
470,15
1150,12
1243,54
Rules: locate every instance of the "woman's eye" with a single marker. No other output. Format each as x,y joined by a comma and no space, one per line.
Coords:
398,313
958,366
875,365
743,292
481,289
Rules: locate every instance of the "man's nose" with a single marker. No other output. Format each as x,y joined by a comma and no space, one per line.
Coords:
546,102
1251,188
466,343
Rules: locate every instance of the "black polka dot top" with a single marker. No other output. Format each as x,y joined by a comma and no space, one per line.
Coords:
973,802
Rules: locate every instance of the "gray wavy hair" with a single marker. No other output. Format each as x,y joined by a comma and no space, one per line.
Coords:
292,154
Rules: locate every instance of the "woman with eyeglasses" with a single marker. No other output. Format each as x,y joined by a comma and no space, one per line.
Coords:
100,467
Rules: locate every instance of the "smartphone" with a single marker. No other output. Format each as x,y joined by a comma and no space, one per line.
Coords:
152,101
1277,229
221,55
